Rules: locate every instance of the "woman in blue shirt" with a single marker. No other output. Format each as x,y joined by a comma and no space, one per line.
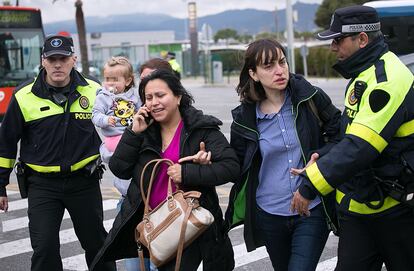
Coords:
282,122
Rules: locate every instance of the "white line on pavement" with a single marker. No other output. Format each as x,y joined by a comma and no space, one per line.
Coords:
327,265
12,192
22,222
23,245
17,205
75,263
242,257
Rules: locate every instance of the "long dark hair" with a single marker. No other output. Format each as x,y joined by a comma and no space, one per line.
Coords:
173,83
259,52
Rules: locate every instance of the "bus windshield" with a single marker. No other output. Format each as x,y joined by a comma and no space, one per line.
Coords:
20,53
397,24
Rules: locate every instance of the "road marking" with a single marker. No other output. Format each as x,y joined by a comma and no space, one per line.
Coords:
17,205
75,263
327,265
242,257
23,245
12,192
22,222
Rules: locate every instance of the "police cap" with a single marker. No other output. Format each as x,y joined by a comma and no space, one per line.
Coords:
353,19
57,45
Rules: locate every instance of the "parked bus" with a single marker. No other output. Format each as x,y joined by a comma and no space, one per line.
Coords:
21,41
397,24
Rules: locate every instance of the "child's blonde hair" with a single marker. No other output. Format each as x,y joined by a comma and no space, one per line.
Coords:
128,71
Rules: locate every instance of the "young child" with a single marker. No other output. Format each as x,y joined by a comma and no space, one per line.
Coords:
115,106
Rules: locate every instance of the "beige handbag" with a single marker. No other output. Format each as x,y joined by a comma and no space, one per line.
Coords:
172,225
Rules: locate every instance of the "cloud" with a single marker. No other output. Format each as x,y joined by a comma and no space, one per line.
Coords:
65,9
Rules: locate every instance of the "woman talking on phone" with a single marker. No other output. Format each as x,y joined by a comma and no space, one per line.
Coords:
168,126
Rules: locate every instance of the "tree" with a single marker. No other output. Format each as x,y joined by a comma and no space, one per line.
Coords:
226,34
268,35
80,25
327,8
245,38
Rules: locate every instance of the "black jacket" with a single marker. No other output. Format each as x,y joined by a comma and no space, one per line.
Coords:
244,139
378,138
135,150
54,138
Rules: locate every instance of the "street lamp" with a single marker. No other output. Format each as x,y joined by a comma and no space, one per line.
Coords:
289,30
192,26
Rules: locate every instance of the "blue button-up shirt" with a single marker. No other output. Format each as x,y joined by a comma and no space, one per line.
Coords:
281,151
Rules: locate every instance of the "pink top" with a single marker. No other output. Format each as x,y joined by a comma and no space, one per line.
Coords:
111,142
160,186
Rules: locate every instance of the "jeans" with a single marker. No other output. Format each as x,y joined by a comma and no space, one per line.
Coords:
133,264
294,243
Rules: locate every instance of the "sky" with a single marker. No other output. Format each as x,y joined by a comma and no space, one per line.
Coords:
65,10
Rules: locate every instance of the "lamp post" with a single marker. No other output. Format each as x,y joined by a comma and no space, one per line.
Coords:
192,28
289,30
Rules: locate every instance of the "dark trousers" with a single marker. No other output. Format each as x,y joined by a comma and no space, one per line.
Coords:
366,243
294,243
48,198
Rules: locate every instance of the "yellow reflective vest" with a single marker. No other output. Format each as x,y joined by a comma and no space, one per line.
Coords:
53,138
378,126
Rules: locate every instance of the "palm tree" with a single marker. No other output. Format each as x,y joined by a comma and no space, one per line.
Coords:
80,24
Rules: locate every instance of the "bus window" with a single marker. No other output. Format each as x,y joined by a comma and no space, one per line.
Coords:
21,41
397,24
21,51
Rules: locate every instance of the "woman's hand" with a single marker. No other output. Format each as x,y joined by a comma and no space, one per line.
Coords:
138,124
300,204
174,172
202,157
298,171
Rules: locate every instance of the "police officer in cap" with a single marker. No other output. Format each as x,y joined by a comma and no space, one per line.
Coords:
59,151
370,169
174,64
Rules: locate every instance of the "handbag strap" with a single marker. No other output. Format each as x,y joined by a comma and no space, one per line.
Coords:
181,242
145,198
182,236
141,259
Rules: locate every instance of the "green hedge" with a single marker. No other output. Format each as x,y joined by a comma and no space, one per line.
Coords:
320,61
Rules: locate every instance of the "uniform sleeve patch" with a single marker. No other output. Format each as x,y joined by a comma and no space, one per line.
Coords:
378,99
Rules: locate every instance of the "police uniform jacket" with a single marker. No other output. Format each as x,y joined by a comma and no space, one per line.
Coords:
54,138
377,126
313,136
136,150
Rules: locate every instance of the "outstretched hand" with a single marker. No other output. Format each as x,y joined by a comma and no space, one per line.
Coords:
298,171
202,157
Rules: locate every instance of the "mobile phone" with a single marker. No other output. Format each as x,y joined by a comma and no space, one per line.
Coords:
148,119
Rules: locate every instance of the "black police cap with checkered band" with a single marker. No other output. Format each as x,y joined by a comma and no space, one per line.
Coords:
353,19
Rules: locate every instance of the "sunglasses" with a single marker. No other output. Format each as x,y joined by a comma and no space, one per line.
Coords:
337,40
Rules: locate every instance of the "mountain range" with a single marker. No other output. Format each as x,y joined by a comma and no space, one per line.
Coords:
246,21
